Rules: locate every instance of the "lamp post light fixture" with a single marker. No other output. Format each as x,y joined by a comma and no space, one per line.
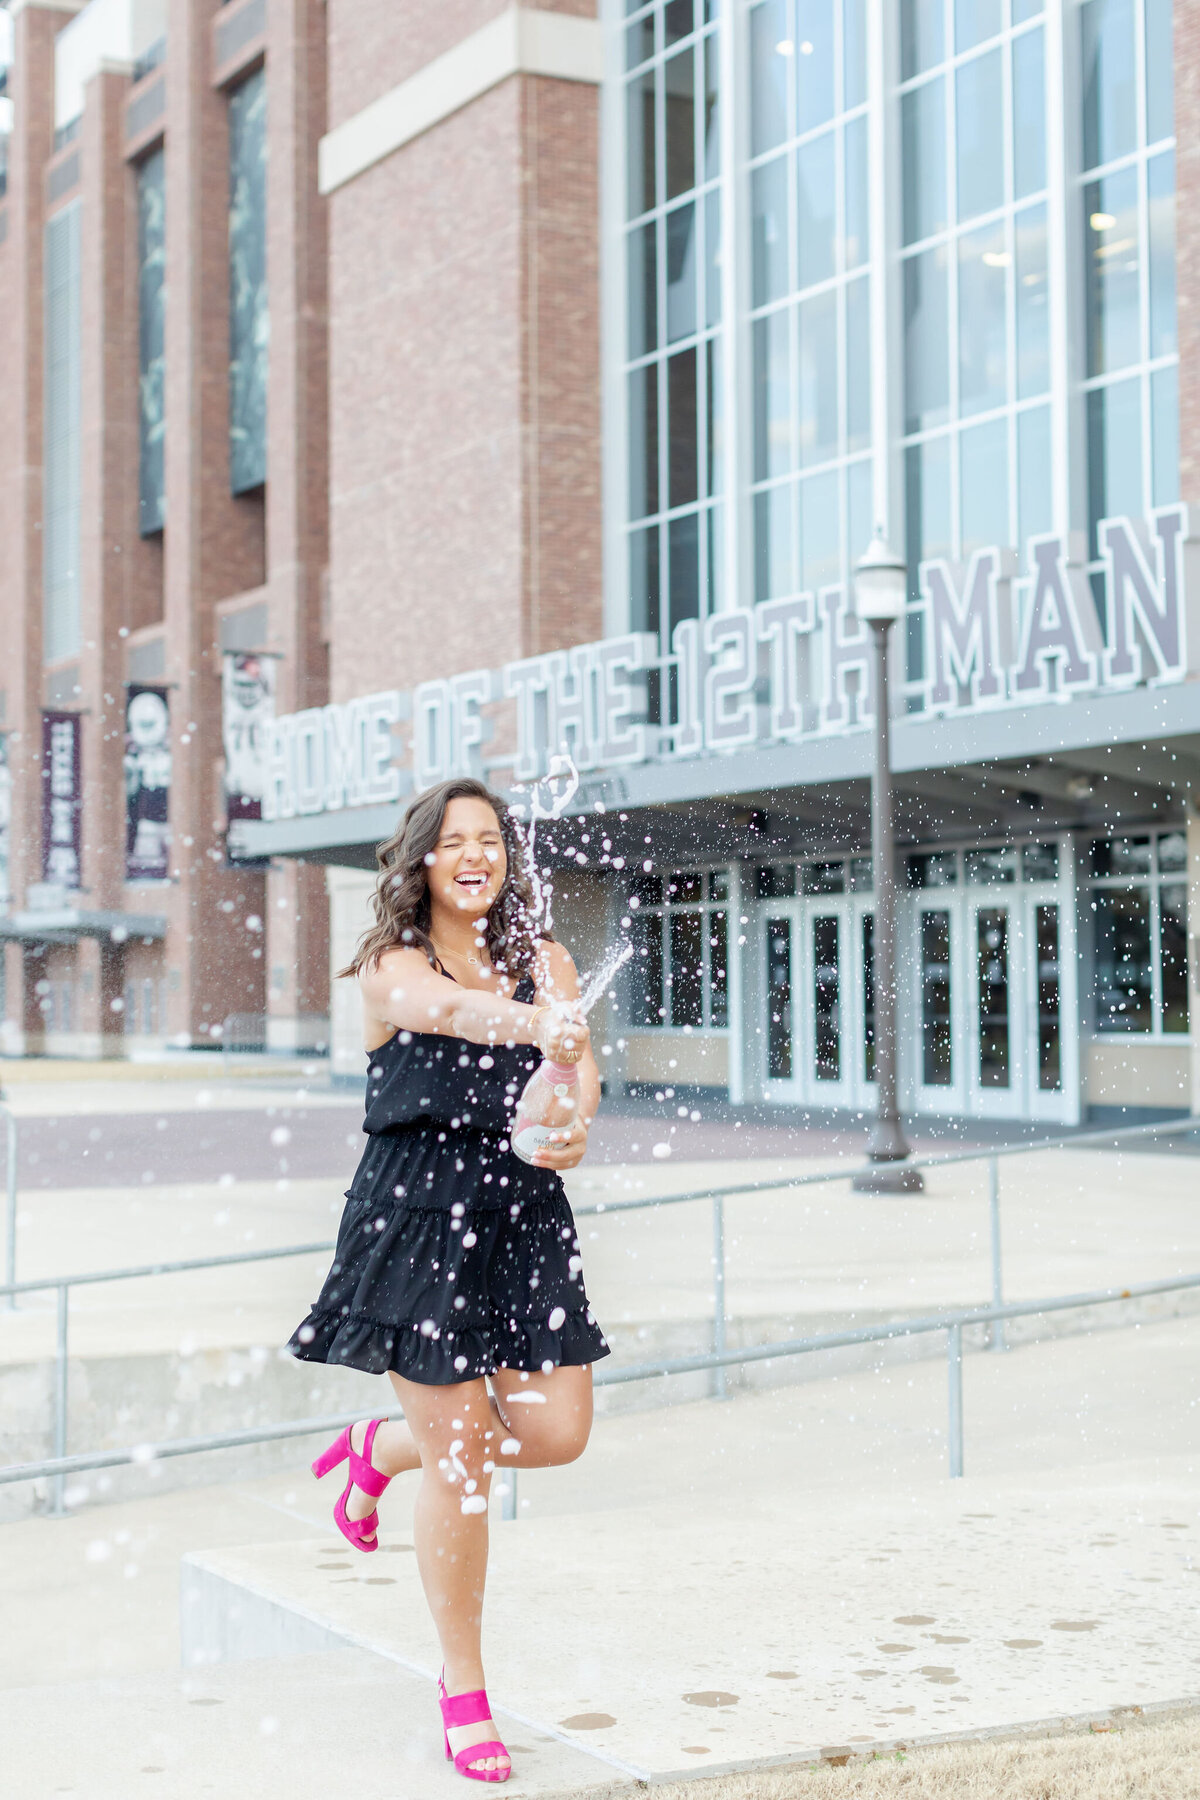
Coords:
880,588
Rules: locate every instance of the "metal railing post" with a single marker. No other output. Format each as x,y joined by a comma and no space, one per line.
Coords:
508,1494
10,1208
954,1435
996,1339
720,1384
57,1508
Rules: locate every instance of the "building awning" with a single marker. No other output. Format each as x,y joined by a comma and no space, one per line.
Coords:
67,924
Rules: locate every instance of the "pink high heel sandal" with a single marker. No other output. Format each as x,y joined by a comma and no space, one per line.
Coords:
470,1709
363,1474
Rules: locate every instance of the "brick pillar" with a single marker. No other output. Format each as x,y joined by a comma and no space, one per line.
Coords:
31,85
297,946
213,542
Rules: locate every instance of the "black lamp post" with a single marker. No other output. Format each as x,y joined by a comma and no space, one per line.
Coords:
880,587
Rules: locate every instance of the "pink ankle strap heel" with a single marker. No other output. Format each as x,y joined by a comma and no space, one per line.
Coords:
471,1709
364,1476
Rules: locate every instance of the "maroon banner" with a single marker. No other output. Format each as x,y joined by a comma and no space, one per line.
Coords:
62,800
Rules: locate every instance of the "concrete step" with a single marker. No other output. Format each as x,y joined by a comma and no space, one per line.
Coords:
309,1728
682,1639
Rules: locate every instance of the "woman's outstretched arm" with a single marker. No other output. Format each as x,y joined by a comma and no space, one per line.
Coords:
403,991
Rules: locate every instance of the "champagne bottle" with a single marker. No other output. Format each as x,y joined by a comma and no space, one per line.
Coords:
549,1104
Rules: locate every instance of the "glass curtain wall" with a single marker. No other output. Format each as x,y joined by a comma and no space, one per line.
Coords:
249,316
673,335
974,275
1128,213
810,280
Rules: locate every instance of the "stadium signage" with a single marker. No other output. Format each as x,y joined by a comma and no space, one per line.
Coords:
786,670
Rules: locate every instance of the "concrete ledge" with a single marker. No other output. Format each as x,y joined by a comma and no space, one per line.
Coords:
522,41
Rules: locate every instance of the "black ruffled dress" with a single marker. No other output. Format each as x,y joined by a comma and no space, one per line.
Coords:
453,1257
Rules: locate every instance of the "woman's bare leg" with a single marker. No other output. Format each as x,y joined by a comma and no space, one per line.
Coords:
458,1440
547,1418
393,1453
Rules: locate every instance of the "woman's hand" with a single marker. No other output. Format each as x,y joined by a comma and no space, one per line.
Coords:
561,1033
567,1151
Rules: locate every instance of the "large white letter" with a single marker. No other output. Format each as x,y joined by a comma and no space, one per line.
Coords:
1136,599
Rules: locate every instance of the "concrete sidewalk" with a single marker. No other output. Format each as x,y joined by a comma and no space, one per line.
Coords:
714,1584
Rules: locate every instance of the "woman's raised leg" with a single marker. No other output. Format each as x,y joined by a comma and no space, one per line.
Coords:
457,1436
547,1416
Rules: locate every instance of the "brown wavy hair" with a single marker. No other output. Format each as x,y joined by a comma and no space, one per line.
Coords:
401,898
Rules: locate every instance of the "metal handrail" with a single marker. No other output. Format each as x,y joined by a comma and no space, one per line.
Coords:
61,1285
952,1323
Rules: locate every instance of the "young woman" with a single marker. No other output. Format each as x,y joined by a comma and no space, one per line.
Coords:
457,1265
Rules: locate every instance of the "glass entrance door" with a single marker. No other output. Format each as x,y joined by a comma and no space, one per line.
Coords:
820,1026
1015,1035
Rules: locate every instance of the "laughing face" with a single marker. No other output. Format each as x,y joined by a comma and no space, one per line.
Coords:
466,871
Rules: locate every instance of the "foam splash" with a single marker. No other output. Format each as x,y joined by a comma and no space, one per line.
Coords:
614,958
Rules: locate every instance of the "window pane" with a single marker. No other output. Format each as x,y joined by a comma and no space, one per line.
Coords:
714,420
1033,303
983,471
643,441
1114,453
926,340
982,338
990,867
639,42
1172,852
248,295
678,20
826,999
774,450
922,42
933,869
818,378
820,532
980,136
1039,862
927,493
860,509
936,1058
645,599
646,970
823,878
1029,116
712,110
1172,901
868,992
151,203
1110,208
712,248
924,161
1035,500
814,63
774,543
639,143
768,189
682,446
685,884
775,881
771,61
643,290
991,947
1123,974
1121,856
1164,416
679,85
975,21
1048,1000
1160,74
854,52
856,238
681,272
816,191
683,570
718,971
779,999
718,884
648,887
1160,183
858,365
1109,95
